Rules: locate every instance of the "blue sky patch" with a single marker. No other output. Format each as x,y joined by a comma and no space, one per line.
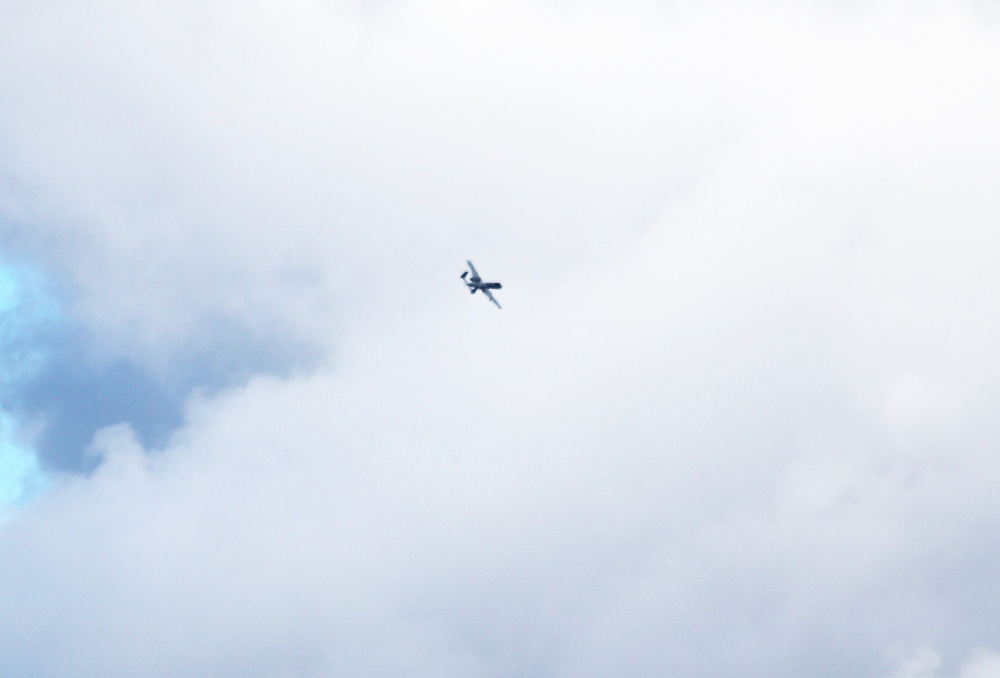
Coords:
28,315
55,385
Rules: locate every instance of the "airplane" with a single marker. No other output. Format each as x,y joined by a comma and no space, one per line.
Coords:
476,283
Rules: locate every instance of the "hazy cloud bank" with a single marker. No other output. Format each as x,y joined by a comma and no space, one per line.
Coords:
736,417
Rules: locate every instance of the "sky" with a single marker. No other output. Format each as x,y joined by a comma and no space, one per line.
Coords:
736,416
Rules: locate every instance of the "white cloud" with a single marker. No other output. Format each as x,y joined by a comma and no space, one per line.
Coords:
926,663
982,664
735,417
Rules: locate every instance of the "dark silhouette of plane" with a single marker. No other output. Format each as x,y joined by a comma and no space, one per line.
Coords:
475,283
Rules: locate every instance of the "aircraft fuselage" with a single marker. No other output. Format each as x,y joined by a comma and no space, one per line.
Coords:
475,283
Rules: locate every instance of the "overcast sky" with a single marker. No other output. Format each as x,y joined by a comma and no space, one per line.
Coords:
737,417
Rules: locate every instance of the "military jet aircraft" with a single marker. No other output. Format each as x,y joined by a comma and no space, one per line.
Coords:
475,283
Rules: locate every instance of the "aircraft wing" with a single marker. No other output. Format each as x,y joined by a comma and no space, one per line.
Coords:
472,268
489,296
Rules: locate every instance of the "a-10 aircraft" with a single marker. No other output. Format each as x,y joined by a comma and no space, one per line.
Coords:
475,283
